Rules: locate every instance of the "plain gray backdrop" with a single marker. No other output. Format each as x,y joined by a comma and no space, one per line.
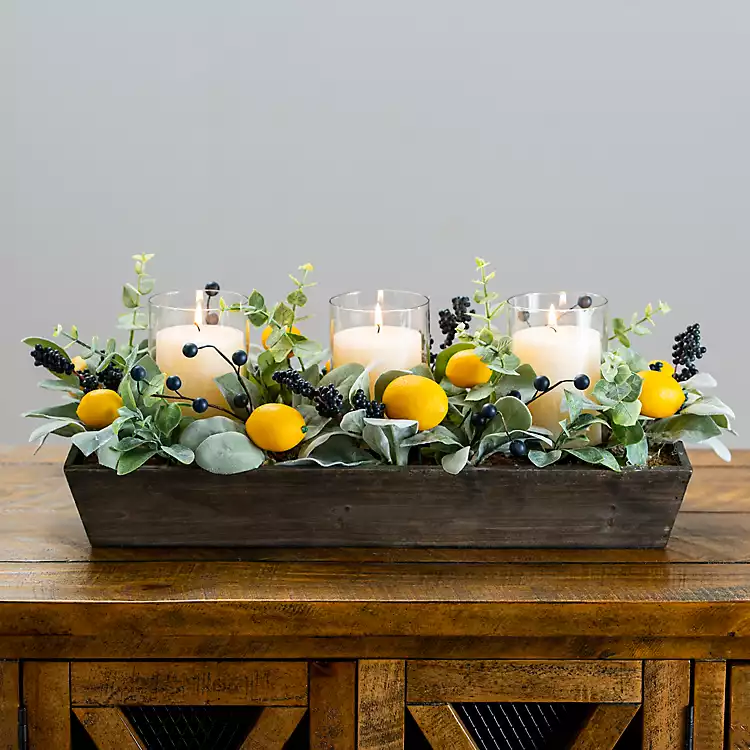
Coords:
597,145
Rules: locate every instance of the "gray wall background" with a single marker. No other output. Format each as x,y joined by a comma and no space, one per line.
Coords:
598,145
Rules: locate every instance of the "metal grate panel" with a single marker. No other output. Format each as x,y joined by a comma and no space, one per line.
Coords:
192,727
523,726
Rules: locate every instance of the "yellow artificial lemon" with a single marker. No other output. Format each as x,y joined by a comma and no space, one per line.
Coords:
275,427
267,331
416,397
465,369
661,395
98,409
665,366
80,364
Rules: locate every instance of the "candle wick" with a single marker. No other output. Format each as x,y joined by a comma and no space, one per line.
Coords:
553,328
197,326
378,325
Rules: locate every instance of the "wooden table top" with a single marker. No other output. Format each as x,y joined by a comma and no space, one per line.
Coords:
59,597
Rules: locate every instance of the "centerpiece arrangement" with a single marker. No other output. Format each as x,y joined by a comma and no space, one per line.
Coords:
512,388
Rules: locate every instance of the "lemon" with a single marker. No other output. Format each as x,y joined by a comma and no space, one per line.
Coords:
665,366
267,331
275,427
416,397
661,395
98,409
465,369
80,364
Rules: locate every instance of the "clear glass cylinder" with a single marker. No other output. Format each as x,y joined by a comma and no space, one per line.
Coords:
561,335
381,330
179,318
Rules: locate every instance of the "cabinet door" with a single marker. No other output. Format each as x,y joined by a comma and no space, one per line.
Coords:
226,705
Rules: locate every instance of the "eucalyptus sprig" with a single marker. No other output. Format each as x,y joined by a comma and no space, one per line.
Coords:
484,295
637,323
136,319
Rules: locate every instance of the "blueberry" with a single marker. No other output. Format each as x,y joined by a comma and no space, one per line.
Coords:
212,288
138,373
478,420
240,400
584,301
518,448
239,358
190,351
212,319
541,383
515,394
174,383
524,315
200,405
489,411
582,382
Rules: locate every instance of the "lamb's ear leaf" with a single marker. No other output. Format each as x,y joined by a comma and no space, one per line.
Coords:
544,458
454,463
201,429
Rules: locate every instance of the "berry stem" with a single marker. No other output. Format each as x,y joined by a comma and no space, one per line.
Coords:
539,394
81,343
232,365
187,402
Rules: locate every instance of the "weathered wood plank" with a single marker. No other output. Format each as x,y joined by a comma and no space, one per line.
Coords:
333,719
381,704
252,683
273,728
739,712
46,695
442,728
666,695
605,726
453,681
9,687
709,688
109,728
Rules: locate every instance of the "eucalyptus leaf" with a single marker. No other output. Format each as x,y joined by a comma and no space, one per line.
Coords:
62,427
512,414
544,458
89,442
167,418
628,435
134,459
127,393
131,297
201,429
480,392
308,351
343,377
523,382
228,453
70,385
362,383
625,413
180,453
454,463
282,315
229,385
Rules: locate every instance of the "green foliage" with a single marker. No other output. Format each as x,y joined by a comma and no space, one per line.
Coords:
640,325
228,453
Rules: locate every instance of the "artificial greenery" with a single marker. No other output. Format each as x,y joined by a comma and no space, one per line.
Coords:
344,424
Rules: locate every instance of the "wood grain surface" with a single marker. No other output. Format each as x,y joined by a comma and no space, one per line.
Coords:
709,699
333,709
604,727
250,683
447,681
9,695
273,728
739,712
442,727
666,696
46,695
109,729
381,697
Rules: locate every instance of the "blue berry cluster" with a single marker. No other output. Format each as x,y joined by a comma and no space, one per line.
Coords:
449,319
328,400
685,350
373,409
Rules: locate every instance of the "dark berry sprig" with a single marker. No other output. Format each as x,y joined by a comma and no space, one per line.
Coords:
542,385
373,409
110,377
293,380
89,382
685,351
449,319
53,360
328,401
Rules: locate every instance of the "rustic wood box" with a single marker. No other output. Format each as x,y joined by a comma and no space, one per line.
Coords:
486,507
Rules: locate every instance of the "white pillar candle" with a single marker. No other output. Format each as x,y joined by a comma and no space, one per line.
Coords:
378,347
560,352
198,373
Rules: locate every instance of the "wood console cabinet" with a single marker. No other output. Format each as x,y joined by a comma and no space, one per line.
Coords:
373,649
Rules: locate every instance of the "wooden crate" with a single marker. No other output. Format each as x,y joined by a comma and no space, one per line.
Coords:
415,506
